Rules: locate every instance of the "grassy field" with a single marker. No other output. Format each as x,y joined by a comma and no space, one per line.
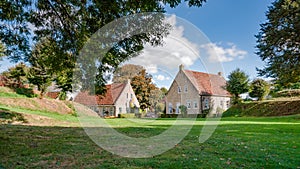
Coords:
31,137
236,143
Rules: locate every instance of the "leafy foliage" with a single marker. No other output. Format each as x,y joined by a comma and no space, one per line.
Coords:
278,42
259,88
2,50
40,73
142,86
164,90
183,110
16,76
128,71
237,83
70,24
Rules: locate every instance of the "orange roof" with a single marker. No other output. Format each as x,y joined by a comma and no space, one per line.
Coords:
207,84
113,91
53,95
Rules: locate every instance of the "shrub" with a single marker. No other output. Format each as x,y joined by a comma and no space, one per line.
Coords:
259,88
62,95
127,115
28,92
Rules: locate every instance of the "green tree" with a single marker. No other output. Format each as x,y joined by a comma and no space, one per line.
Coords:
128,71
72,23
2,51
41,72
259,88
142,86
183,110
238,83
155,98
164,90
278,42
17,75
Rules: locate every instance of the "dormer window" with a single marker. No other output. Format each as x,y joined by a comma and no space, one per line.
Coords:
179,89
185,88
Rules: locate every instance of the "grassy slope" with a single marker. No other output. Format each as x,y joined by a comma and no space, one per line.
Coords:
280,107
16,108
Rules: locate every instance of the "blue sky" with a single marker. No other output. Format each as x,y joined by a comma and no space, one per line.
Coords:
230,21
219,36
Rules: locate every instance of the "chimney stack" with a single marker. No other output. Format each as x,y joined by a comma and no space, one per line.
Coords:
181,67
220,73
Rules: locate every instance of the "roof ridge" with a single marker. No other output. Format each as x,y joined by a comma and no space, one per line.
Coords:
200,72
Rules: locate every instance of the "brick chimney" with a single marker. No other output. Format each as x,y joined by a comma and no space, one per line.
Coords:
220,73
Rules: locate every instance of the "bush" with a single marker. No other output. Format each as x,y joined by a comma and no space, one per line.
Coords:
62,95
183,116
28,92
126,115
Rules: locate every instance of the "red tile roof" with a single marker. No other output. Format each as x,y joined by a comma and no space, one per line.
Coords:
53,95
207,84
113,91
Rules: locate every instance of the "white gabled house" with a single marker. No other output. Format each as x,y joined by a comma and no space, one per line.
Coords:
118,99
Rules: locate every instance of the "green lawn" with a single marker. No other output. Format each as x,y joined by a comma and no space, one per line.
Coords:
236,143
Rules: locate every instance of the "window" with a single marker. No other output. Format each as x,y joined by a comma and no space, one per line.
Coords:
185,88
177,108
195,104
206,103
111,113
127,95
228,104
170,108
131,95
188,104
179,89
222,103
120,109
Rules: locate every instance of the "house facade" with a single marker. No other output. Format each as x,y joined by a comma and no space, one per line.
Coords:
199,92
118,99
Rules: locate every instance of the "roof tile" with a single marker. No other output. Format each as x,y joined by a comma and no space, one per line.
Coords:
207,84
113,91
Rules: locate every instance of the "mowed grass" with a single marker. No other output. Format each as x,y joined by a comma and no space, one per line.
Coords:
236,143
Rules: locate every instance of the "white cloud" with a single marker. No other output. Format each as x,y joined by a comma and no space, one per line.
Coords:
161,77
220,54
176,50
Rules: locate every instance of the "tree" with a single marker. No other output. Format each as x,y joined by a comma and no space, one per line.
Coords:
128,71
41,70
155,98
16,76
164,90
183,110
142,86
259,88
237,83
72,23
278,42
2,50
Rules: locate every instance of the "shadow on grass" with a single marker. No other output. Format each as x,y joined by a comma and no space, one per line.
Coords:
7,116
231,146
28,92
